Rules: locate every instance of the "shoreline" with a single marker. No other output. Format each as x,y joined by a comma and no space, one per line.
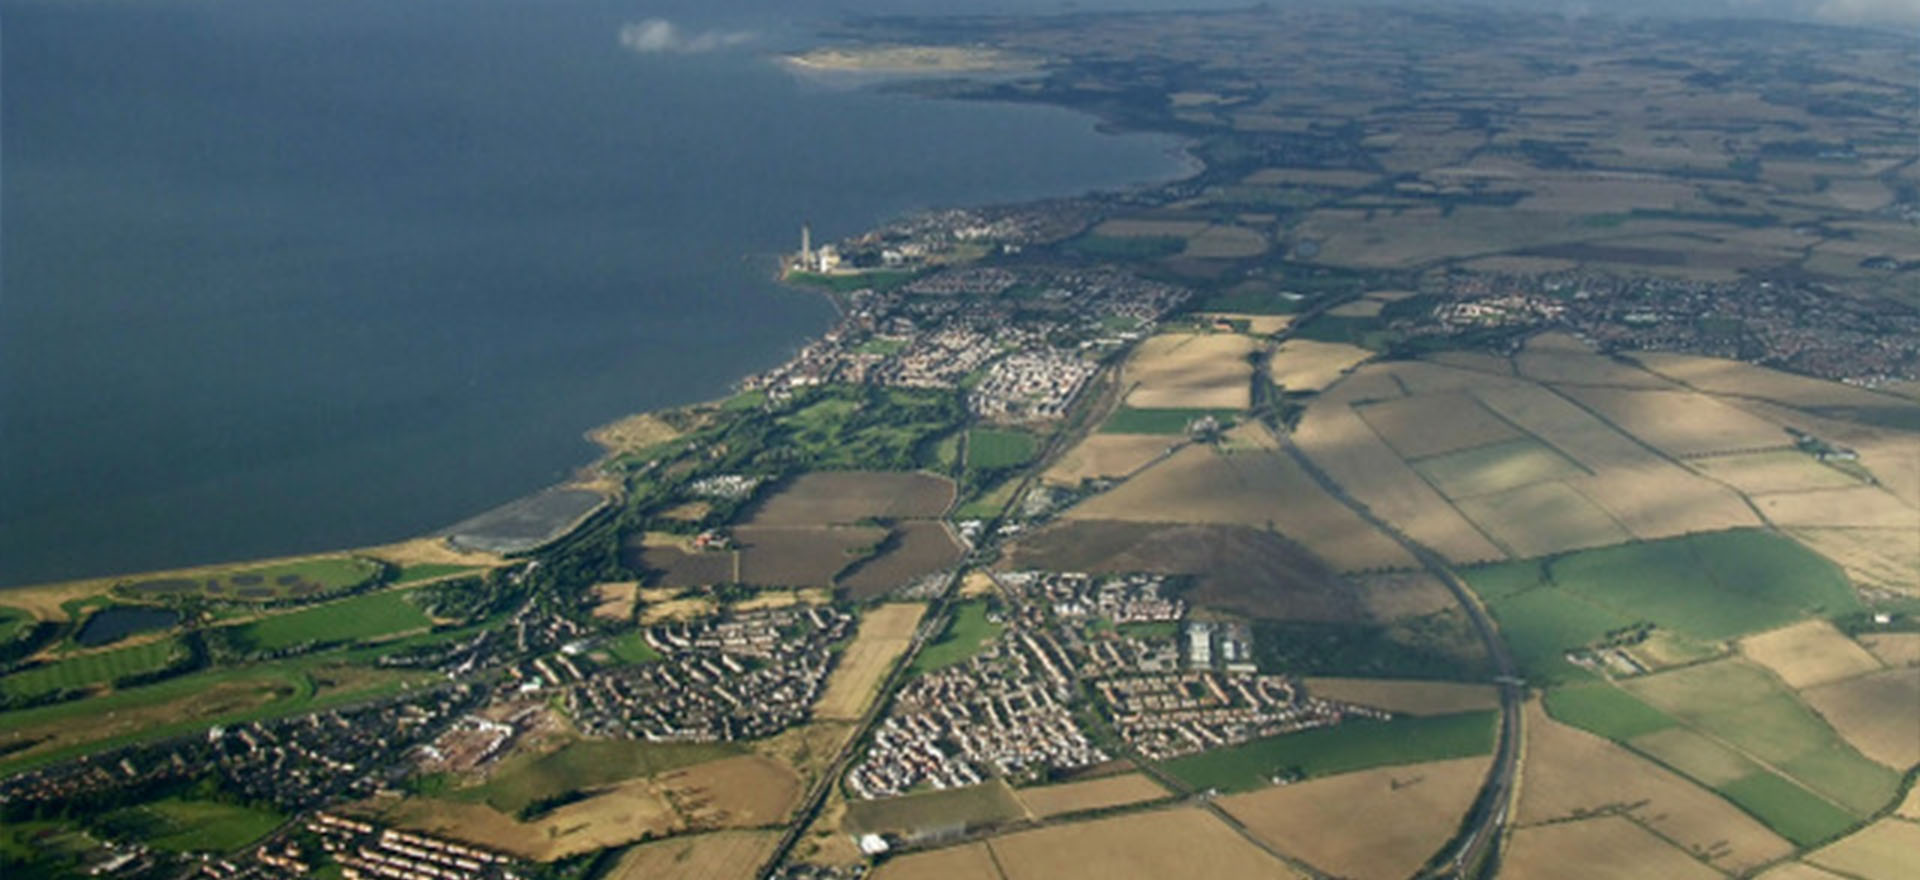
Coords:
590,475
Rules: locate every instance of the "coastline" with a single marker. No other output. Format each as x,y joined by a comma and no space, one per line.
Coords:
438,546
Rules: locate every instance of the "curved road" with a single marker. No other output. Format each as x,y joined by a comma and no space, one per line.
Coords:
1475,851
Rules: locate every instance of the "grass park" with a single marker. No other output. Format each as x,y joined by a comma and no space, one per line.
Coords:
97,668
631,647
991,449
177,825
354,619
1346,747
965,635
304,579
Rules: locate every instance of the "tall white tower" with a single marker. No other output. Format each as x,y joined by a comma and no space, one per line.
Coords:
806,245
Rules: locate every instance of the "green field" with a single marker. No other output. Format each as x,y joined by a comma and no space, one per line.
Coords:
91,669
1131,420
14,624
989,449
845,427
969,631
1541,625
430,570
1709,587
1326,751
308,578
1792,811
1749,710
882,280
361,617
194,826
881,345
522,780
969,807
631,648
1605,710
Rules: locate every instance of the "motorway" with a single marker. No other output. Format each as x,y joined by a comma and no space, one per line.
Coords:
1475,851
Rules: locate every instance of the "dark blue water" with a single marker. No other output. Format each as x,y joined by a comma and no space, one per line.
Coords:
284,276
109,625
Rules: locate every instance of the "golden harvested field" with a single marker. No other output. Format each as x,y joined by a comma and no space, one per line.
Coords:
1339,441
783,598
1879,714
1307,365
1432,424
1561,358
1859,507
633,433
1382,823
1910,807
1093,794
1496,468
971,861
883,635
1894,649
1222,242
1434,377
1781,470
1106,455
1883,558
1681,423
1407,696
1808,653
623,814
1542,518
616,600
1184,842
1473,361
1651,497
691,608
1150,228
1189,370
697,857
1798,871
1606,848
742,792
1739,379
1253,488
1569,772
1258,325
1885,850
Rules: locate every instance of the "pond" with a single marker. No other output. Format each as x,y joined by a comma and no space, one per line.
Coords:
110,625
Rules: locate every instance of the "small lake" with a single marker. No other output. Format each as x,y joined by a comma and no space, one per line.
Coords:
113,624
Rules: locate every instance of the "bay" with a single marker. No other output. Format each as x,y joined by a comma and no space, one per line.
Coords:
280,277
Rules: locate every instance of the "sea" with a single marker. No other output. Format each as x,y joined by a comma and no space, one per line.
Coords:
279,276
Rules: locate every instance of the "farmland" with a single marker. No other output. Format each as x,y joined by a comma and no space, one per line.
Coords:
1106,455
1163,421
988,803
1592,849
1205,371
799,556
1435,424
883,636
696,857
1093,794
524,779
839,497
1542,518
1571,773
1742,706
1308,365
1347,747
1808,653
972,861
913,549
1605,710
1881,851
1681,424
1774,471
1383,823
354,619
1876,713
1177,842
1249,487
1484,470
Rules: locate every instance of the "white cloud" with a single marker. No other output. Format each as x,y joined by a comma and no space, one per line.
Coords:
1869,11
661,35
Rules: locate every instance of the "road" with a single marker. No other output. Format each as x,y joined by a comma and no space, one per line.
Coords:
1475,851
